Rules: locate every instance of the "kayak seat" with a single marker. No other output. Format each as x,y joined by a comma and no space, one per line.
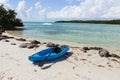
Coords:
57,50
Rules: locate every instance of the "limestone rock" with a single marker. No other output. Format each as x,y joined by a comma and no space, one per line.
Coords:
104,53
35,42
50,44
21,39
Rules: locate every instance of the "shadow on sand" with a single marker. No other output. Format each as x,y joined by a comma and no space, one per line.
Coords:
68,54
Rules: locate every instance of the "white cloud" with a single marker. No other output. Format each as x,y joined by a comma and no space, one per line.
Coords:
21,5
89,9
71,1
42,12
5,3
20,8
37,5
28,11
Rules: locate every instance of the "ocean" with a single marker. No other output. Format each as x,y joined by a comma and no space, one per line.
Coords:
94,34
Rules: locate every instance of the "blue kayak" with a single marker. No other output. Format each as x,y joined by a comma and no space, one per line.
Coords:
48,54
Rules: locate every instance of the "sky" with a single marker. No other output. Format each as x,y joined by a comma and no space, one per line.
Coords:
52,10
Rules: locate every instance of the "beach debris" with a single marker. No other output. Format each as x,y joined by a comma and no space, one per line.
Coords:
115,60
50,44
44,43
84,59
10,78
115,55
21,39
23,45
73,67
5,37
100,66
28,45
35,70
5,40
85,51
86,48
35,42
95,48
13,43
104,53
91,48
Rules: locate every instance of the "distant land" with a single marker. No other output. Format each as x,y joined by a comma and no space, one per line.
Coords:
91,21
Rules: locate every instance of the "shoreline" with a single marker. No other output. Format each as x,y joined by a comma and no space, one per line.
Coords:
72,44
84,65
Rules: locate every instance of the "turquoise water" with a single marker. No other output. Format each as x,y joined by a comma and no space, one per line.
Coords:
100,34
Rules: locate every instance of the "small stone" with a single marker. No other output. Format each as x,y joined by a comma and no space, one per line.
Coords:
23,45
115,55
6,40
73,67
44,43
86,48
104,53
50,44
85,51
30,46
13,43
35,70
21,39
96,48
35,42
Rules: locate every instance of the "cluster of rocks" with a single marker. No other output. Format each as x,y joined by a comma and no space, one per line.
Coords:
20,39
92,48
5,37
102,52
50,44
35,43
32,44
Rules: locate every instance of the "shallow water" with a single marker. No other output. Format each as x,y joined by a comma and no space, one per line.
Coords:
98,34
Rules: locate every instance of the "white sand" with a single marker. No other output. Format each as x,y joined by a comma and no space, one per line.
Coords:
14,65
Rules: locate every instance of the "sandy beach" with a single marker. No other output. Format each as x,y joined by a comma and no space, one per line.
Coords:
78,65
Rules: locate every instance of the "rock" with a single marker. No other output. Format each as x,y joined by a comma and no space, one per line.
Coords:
13,43
6,40
23,45
30,46
1,37
104,53
35,42
85,51
115,55
86,48
44,43
5,36
11,37
50,44
21,39
95,48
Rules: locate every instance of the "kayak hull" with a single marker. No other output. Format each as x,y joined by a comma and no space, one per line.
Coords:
48,53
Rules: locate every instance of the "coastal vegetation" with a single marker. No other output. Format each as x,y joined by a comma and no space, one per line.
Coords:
8,19
91,21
